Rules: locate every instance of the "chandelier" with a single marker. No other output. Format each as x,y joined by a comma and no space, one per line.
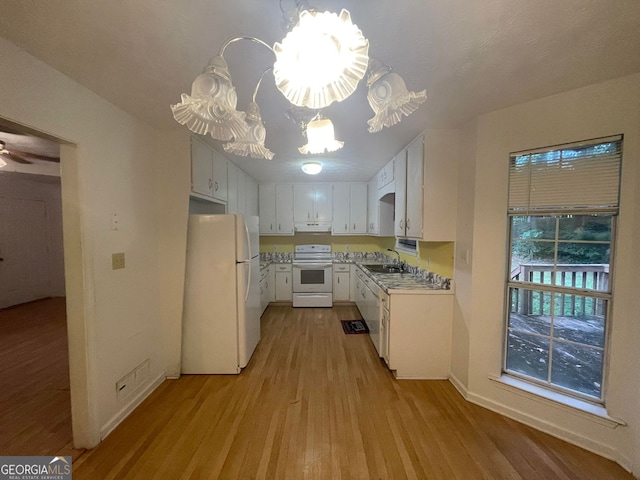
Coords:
321,60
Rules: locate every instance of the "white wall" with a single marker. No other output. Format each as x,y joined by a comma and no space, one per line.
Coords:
604,109
462,314
111,164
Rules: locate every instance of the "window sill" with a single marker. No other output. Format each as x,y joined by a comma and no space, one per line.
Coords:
593,412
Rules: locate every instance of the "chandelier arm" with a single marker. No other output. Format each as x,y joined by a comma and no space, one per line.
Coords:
255,91
243,37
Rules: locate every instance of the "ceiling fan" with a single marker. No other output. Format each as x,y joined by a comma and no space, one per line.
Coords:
18,155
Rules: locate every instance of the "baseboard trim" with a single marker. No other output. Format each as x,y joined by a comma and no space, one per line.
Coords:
462,389
546,427
123,413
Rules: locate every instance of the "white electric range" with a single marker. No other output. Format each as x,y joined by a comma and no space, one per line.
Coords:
312,276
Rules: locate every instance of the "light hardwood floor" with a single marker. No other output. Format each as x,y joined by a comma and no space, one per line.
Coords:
315,403
35,413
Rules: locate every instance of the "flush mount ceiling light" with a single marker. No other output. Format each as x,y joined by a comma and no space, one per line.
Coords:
321,60
312,168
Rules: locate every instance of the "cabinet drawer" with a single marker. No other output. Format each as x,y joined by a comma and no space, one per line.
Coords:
283,267
337,267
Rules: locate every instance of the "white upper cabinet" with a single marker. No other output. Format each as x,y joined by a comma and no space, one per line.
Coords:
208,172
284,209
425,198
401,194
251,196
385,175
241,192
373,226
201,168
413,211
232,189
276,209
219,176
409,199
350,209
267,202
312,202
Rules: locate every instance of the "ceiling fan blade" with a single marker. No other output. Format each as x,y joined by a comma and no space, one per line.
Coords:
17,159
37,156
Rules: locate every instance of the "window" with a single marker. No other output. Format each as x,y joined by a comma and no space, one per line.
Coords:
563,205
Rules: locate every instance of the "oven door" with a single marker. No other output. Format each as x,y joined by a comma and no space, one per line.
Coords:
312,277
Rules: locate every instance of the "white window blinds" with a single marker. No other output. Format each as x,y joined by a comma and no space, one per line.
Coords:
578,177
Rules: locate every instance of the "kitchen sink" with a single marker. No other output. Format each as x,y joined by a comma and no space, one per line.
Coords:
383,268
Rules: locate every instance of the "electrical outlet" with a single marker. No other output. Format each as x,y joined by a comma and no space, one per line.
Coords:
275,248
125,386
347,248
117,260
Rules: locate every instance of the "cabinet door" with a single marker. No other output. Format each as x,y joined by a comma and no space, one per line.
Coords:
341,286
358,208
232,189
267,201
284,292
284,209
414,201
401,193
303,196
341,200
372,210
201,168
219,176
251,196
242,203
323,203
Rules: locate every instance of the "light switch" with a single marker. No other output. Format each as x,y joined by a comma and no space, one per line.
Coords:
117,260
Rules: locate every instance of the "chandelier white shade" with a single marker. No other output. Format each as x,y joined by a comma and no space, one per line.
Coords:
312,168
321,60
211,108
388,97
252,143
320,137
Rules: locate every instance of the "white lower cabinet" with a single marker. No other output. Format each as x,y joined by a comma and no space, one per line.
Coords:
284,276
419,335
341,283
411,330
267,287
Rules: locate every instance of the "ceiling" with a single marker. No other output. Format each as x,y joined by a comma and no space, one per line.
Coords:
471,56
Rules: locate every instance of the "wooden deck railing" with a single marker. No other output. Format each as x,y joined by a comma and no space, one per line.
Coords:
583,276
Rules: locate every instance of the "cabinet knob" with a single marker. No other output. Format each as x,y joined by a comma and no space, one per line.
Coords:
354,226
345,227
401,225
408,224
216,186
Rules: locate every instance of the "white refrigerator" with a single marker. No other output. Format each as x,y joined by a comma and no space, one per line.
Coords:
221,314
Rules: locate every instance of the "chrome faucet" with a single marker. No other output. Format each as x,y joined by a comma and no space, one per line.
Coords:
396,252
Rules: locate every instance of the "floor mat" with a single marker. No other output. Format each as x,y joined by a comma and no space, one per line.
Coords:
354,326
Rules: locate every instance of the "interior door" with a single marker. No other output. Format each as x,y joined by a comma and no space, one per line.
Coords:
24,268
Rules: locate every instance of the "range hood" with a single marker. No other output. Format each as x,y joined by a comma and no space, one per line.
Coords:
317,227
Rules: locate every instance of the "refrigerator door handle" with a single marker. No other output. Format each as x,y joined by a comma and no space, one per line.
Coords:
246,231
246,293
